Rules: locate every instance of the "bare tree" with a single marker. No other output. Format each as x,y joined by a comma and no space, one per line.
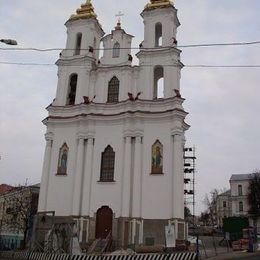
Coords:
210,202
21,205
253,196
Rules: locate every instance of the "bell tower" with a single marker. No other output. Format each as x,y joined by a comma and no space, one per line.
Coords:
84,34
159,57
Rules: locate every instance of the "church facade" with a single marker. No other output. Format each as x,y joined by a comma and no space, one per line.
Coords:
115,131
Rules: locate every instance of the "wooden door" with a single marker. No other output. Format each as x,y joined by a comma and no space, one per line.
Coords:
104,219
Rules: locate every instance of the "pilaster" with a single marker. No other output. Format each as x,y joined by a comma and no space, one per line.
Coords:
136,206
45,172
178,178
126,180
78,176
87,180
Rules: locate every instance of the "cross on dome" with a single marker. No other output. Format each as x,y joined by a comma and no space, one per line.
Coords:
119,15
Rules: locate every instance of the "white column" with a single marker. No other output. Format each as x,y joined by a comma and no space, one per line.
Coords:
136,206
178,178
78,178
126,182
133,231
85,208
45,173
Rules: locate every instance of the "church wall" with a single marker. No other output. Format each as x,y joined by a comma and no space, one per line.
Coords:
124,75
166,18
171,72
107,193
87,28
60,188
156,188
125,40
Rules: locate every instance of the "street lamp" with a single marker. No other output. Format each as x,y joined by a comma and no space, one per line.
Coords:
9,41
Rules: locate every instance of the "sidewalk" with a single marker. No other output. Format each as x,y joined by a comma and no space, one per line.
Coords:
234,255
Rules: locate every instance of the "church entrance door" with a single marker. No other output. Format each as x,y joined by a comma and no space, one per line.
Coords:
104,219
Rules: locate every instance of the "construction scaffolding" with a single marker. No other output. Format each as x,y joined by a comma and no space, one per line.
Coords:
189,178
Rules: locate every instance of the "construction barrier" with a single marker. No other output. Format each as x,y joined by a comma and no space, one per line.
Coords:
43,256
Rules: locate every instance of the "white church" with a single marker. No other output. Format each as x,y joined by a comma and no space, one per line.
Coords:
115,131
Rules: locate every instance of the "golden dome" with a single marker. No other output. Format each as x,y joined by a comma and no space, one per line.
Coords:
158,4
86,11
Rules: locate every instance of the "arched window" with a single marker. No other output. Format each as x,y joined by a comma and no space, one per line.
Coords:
158,82
241,206
116,50
157,158
63,160
107,165
78,44
113,90
240,192
101,49
72,89
158,35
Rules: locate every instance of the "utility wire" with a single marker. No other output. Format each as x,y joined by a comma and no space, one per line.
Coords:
139,48
187,66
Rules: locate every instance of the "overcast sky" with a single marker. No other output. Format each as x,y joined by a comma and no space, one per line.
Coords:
223,103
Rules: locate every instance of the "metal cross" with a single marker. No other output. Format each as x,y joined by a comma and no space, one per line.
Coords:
119,15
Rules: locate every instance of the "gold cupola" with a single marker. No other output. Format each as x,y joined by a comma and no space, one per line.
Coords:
86,11
155,4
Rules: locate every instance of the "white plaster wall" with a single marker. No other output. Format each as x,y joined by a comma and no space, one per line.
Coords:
234,187
90,30
60,188
107,193
103,76
156,189
167,17
168,59
109,40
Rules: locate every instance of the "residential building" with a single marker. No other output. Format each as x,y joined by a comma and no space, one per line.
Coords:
223,207
234,202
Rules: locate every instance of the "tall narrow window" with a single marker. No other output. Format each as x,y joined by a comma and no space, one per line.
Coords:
78,44
107,165
158,35
224,204
240,192
158,82
101,50
116,50
63,160
113,90
72,89
241,206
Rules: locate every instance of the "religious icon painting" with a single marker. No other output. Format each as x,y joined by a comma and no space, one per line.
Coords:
63,159
157,158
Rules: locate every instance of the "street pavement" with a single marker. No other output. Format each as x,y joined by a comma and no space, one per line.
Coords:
236,255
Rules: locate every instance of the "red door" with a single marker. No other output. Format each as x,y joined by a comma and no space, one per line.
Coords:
104,220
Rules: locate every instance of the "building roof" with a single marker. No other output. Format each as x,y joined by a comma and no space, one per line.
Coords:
242,177
155,4
86,11
226,193
5,188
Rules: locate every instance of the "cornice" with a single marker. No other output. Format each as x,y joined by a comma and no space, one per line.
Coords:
158,50
168,115
151,106
76,60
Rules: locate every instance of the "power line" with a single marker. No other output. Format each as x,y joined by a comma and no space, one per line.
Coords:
139,48
187,66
